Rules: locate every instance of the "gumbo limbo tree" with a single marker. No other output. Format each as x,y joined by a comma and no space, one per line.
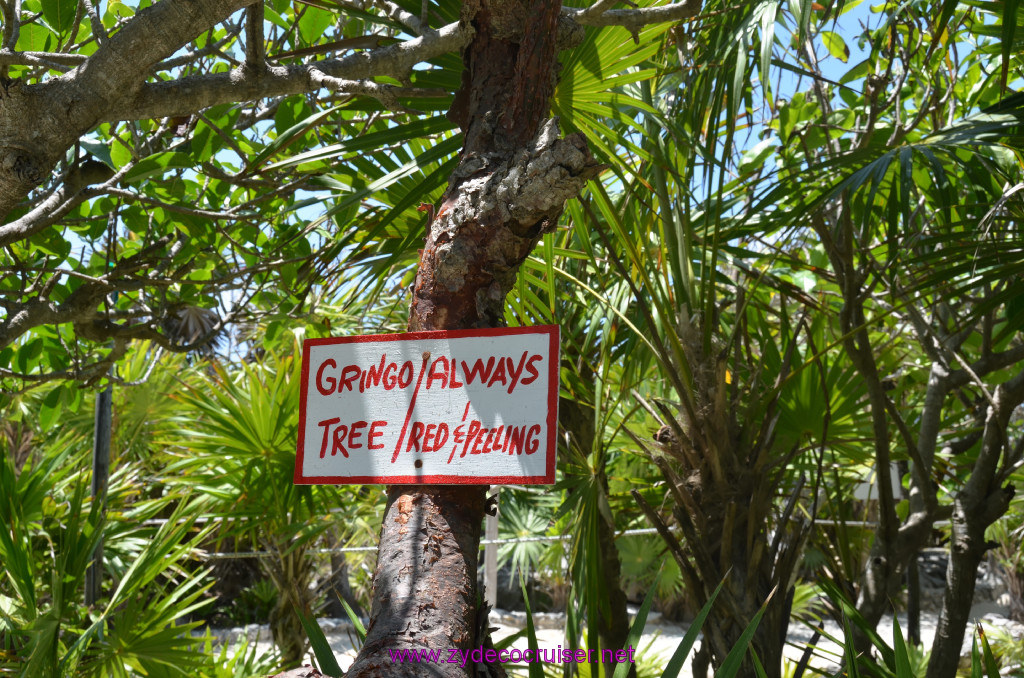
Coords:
144,195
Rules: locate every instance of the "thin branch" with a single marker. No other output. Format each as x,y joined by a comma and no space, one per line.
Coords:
12,24
98,29
359,42
393,11
255,53
55,271
62,109
171,207
987,364
387,95
74,190
599,7
921,468
41,59
29,59
83,373
973,376
635,19
72,33
189,57
1006,398
193,93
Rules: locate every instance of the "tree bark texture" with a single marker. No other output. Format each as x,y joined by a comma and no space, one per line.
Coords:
967,550
613,626
509,188
981,502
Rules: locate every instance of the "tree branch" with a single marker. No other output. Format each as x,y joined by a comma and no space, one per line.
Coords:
63,108
395,12
86,374
98,29
40,59
1006,398
190,94
255,54
120,66
74,190
387,95
80,305
12,24
215,48
986,365
634,19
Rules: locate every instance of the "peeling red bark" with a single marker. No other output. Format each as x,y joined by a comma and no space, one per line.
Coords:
511,184
425,582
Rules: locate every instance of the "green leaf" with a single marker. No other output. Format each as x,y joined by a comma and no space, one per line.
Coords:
314,23
1010,8
119,153
734,660
948,7
116,9
292,133
535,670
989,660
357,623
899,646
856,72
802,13
35,38
754,157
835,45
637,629
28,353
99,150
49,408
60,14
366,142
321,648
675,664
157,164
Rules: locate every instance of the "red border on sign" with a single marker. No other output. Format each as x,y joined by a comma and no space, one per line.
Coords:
444,479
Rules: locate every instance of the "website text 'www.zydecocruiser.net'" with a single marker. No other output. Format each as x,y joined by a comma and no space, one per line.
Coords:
510,656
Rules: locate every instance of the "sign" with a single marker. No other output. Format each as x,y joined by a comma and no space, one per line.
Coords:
475,407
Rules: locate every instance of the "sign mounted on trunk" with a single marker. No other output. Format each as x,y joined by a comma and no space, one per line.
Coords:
471,407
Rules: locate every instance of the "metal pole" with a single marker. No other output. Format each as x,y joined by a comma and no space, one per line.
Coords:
100,477
491,558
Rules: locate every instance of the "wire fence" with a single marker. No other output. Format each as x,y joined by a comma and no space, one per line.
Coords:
235,555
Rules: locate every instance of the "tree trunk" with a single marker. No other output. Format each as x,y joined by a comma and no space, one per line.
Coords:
979,504
424,585
971,517
511,184
612,628
723,489
341,590
748,585
577,420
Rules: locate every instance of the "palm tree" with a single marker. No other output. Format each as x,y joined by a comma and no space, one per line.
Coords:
896,195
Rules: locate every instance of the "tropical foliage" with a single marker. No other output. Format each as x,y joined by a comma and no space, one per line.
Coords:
791,308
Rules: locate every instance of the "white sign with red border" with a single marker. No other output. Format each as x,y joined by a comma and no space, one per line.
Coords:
473,407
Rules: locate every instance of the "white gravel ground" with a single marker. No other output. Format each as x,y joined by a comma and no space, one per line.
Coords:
659,641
